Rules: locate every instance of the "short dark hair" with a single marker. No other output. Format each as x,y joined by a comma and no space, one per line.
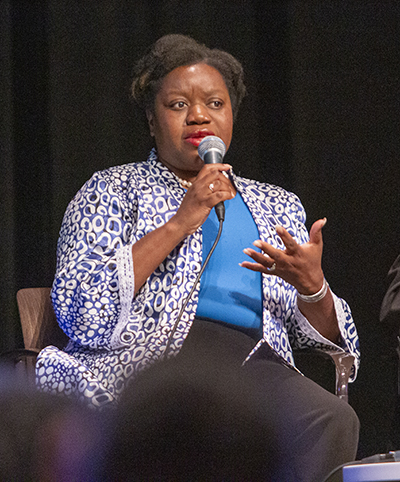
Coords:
175,50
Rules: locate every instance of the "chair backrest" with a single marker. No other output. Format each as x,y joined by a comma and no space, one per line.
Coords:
38,320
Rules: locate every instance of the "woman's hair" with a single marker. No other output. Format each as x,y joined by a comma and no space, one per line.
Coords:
172,51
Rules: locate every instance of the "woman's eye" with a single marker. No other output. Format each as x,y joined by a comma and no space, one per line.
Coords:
178,105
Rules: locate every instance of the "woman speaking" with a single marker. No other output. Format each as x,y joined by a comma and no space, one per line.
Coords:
133,242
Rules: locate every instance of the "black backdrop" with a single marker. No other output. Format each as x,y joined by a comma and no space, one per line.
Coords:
320,118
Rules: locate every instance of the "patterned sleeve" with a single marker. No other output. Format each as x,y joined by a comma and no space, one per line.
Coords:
94,240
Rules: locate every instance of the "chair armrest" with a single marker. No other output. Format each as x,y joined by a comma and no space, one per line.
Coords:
343,363
330,369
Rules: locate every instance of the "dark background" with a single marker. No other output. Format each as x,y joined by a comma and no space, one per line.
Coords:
321,118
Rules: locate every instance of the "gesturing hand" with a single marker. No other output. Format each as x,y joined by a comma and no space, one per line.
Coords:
299,265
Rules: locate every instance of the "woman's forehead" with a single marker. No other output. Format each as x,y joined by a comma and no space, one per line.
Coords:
198,75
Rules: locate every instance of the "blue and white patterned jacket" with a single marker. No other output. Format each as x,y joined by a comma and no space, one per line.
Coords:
114,333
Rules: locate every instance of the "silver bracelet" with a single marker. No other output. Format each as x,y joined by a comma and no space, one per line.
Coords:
316,296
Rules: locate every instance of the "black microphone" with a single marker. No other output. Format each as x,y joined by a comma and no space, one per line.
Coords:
212,150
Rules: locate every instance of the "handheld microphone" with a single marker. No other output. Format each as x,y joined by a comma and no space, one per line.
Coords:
212,151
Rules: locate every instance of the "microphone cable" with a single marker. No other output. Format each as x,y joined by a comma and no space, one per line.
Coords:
193,288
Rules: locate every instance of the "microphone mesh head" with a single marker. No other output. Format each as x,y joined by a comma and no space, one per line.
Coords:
211,142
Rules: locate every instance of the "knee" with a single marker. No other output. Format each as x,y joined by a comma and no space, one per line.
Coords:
346,417
343,425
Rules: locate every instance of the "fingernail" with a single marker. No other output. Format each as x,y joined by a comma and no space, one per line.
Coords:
257,243
246,251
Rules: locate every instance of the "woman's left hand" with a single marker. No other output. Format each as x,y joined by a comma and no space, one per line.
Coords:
299,265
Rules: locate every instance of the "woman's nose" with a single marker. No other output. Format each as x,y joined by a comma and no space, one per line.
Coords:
197,114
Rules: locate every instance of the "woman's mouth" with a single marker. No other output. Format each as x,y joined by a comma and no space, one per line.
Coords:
196,137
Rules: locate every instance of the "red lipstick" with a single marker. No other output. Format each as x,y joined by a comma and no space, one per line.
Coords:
196,137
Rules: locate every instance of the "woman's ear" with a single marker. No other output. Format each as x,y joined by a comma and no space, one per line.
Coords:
150,121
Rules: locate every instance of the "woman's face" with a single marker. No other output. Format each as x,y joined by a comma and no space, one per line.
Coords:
192,103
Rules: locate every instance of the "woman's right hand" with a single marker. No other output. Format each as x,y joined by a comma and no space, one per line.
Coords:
210,187
149,251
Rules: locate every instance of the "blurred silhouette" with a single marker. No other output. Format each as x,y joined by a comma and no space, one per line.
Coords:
45,437
190,422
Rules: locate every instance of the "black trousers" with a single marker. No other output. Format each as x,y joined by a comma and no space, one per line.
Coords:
311,430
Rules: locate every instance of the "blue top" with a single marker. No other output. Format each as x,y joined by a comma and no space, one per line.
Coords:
224,283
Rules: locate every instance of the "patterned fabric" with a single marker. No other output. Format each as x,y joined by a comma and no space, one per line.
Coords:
114,334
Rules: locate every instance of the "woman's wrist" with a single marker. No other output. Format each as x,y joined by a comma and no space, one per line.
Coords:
176,229
318,296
